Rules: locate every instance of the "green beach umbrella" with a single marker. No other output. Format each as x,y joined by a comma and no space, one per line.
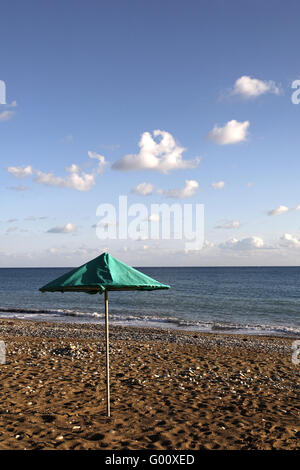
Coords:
102,274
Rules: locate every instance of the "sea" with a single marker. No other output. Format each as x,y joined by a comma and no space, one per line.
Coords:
235,300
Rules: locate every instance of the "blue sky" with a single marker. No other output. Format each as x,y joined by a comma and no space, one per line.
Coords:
95,76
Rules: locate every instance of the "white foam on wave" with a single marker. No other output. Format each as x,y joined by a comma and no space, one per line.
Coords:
136,319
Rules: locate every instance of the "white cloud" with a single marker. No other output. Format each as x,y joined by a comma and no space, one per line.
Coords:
101,161
162,155
67,138
6,115
80,182
248,243
68,228
11,229
20,187
218,185
229,224
144,189
20,172
111,147
106,225
279,210
252,87
76,179
289,241
154,218
189,190
232,133
207,244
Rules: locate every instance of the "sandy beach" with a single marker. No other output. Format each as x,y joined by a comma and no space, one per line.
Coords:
169,389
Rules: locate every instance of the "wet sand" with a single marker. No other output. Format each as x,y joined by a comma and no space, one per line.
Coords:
169,389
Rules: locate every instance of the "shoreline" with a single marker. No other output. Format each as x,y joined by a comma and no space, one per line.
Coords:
88,330
169,389
172,325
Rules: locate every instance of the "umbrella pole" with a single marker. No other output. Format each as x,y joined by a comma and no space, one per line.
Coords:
107,356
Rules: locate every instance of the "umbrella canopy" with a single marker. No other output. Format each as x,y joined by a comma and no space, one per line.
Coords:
102,274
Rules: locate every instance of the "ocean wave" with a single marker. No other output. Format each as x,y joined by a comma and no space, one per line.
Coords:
148,320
